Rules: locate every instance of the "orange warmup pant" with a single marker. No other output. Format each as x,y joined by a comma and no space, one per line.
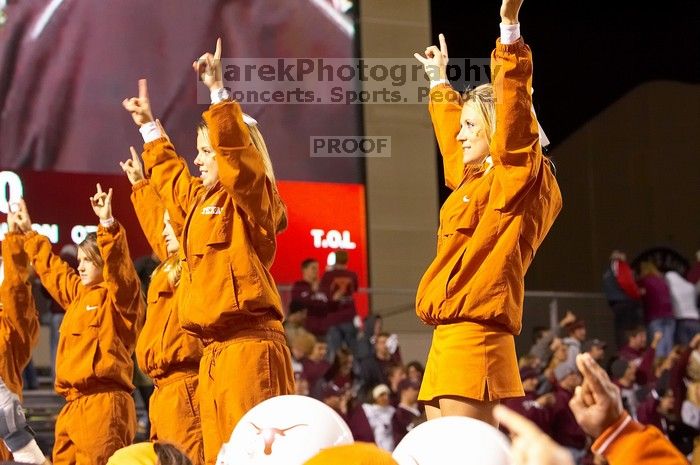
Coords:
174,414
92,427
5,454
235,376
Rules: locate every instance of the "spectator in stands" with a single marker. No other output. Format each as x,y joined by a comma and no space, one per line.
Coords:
341,372
564,428
622,295
690,415
335,398
636,352
375,369
340,284
372,422
408,412
693,274
658,310
559,356
534,407
414,371
395,374
576,336
307,291
623,375
657,408
685,309
596,348
543,337
301,347
294,323
315,364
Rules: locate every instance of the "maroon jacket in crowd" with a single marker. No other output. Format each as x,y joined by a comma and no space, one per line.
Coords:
645,360
527,407
564,428
657,298
343,310
316,303
313,371
359,425
404,421
647,414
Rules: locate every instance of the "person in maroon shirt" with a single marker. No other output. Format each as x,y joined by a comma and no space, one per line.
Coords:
335,398
315,365
307,292
657,408
658,309
375,369
408,413
340,284
564,428
693,274
534,407
637,353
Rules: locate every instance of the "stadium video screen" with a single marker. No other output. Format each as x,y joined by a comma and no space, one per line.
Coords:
66,66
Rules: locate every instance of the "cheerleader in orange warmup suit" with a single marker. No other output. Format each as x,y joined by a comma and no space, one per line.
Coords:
104,311
504,200
234,213
19,320
165,352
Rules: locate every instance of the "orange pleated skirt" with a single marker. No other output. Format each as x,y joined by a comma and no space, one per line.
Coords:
472,360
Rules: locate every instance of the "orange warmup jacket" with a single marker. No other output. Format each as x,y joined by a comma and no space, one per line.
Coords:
240,214
99,331
162,346
497,216
629,442
19,320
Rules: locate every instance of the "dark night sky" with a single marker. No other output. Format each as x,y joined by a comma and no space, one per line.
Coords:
586,54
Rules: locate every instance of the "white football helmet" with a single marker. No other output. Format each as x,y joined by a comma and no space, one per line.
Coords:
284,430
453,441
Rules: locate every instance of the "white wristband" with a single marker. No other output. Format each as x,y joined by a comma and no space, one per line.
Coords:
438,82
219,95
509,33
150,132
107,223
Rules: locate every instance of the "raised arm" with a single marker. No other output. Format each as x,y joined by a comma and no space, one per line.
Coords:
515,147
119,274
240,164
148,207
445,111
168,173
597,406
62,282
241,167
18,304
